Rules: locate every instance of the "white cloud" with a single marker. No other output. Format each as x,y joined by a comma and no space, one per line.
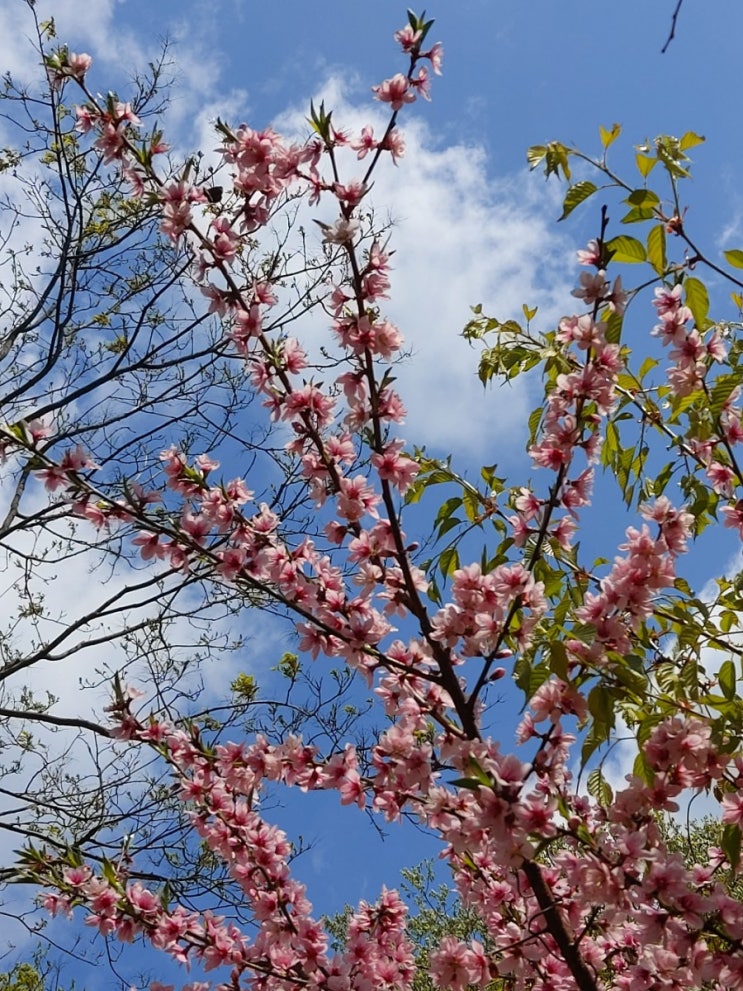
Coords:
460,237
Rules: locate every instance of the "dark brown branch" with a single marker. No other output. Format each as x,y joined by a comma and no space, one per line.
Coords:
672,32
43,717
583,977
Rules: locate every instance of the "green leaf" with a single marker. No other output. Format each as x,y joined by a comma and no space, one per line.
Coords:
734,257
450,523
647,366
601,705
657,248
720,392
609,137
557,158
449,561
681,585
726,679
448,508
731,837
575,195
614,323
645,164
471,783
598,734
535,155
559,659
643,198
535,418
626,249
690,140
599,788
471,504
487,474
638,214
697,299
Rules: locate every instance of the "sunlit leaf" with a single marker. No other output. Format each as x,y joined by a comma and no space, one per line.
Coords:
645,164
734,257
626,249
727,680
690,140
608,137
657,248
697,299
575,195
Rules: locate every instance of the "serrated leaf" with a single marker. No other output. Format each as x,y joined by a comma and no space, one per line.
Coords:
598,734
657,248
626,249
599,788
575,195
734,257
726,679
614,322
535,418
697,299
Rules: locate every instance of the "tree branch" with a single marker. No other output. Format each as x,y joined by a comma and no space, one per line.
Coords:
672,32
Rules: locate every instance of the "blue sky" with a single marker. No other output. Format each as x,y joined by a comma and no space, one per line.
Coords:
471,224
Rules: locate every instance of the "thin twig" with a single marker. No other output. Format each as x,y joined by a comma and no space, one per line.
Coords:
672,32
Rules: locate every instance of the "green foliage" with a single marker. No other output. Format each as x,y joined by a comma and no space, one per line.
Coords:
40,974
648,442
435,912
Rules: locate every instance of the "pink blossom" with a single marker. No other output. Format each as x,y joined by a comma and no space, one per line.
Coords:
395,91
365,142
590,255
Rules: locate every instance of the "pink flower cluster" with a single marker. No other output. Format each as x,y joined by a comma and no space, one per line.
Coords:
627,594
712,449
580,397
690,352
571,892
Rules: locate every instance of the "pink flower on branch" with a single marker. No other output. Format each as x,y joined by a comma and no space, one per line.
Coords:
396,91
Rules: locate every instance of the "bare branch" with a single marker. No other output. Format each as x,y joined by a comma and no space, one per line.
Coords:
672,32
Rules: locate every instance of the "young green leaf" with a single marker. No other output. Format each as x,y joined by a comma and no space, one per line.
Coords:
734,257
575,195
626,249
657,248
726,679
609,137
697,299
